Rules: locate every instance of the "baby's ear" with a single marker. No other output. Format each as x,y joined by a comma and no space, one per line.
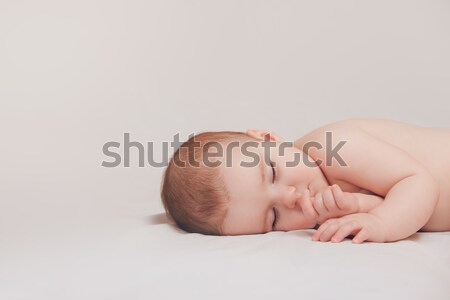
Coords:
261,134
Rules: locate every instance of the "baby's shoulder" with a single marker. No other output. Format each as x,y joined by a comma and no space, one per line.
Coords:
326,132
349,128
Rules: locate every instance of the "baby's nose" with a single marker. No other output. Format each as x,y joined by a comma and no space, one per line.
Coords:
291,197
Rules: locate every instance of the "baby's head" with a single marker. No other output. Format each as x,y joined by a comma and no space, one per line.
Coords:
230,183
195,196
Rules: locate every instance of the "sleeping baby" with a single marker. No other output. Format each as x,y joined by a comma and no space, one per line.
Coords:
372,180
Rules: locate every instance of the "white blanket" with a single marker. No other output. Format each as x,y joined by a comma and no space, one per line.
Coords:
158,261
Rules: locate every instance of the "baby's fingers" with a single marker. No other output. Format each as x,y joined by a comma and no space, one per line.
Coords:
318,205
345,201
306,205
345,230
324,230
340,197
362,235
328,200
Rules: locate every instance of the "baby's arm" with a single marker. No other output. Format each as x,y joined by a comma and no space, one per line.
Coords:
367,202
411,193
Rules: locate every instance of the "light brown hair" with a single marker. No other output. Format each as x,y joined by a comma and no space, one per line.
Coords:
196,198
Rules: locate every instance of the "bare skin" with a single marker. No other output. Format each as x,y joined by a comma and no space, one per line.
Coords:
332,202
395,183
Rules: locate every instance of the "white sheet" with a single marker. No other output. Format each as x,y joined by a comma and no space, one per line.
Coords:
158,261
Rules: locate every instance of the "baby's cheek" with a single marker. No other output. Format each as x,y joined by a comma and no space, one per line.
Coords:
300,222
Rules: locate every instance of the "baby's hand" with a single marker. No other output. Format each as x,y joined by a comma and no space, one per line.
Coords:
363,226
334,203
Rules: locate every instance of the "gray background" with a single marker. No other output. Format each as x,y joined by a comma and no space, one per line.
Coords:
76,74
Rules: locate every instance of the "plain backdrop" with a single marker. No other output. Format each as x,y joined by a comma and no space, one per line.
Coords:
77,74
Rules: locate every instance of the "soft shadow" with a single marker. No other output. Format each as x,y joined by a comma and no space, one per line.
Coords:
413,238
157,219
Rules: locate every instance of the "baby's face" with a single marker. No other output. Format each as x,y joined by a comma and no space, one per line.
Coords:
261,193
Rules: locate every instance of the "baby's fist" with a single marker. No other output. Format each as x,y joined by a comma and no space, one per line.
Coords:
332,202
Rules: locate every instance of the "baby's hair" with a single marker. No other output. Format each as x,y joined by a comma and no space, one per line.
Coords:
195,197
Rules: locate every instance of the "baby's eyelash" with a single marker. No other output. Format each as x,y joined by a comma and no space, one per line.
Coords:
276,218
274,173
